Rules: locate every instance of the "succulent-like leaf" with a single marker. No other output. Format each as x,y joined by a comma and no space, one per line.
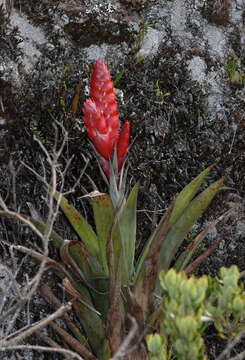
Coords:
103,216
183,225
54,237
114,314
187,194
120,252
89,271
47,293
79,224
181,202
186,255
115,261
69,287
92,324
127,226
81,264
201,258
122,237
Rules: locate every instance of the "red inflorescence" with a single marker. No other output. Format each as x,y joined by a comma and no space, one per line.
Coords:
100,116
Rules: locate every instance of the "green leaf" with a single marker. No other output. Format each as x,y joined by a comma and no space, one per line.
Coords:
85,261
187,194
127,226
56,239
80,263
121,237
92,324
183,225
181,202
114,314
155,344
104,217
89,271
186,255
79,224
115,263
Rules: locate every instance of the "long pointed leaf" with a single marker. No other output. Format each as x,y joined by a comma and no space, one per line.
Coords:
186,255
120,250
92,325
115,263
56,239
79,224
182,226
181,202
201,258
114,315
127,226
187,194
80,262
89,271
104,217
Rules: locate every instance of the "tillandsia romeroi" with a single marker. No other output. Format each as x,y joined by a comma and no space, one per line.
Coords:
100,115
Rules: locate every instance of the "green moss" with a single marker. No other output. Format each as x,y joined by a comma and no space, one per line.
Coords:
139,41
232,69
41,137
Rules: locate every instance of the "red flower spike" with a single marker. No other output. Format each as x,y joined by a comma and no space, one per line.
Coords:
102,92
100,117
122,144
97,129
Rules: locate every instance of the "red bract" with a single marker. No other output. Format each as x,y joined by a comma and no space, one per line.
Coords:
122,143
100,116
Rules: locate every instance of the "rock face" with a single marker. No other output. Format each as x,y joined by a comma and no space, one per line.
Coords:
178,67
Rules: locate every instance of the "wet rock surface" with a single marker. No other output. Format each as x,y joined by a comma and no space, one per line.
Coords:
170,61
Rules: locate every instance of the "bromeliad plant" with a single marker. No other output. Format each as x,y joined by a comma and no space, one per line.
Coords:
108,286
101,119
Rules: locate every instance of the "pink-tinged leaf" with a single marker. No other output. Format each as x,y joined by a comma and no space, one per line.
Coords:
105,165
